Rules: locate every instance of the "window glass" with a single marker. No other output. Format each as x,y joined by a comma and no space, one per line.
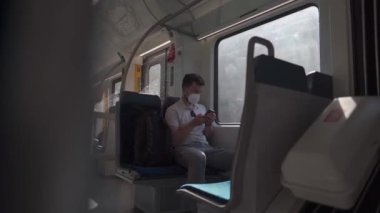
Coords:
295,38
114,97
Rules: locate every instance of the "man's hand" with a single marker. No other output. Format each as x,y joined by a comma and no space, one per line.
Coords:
198,120
209,118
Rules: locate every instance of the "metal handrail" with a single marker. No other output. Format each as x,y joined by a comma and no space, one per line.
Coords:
159,23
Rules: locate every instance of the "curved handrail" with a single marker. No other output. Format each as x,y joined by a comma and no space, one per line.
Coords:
258,40
160,22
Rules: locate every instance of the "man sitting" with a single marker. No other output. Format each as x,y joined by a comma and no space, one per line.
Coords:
192,126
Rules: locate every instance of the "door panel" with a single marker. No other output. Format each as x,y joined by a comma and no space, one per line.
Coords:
154,75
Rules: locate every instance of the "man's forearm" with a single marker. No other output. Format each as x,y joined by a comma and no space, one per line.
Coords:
208,132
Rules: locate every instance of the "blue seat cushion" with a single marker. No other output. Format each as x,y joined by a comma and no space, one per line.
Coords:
219,192
159,172
136,173
162,171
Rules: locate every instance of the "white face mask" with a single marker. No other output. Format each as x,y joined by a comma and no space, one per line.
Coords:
193,98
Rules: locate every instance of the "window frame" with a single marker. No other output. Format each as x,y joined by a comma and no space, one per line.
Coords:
145,76
254,25
114,82
151,60
113,90
148,74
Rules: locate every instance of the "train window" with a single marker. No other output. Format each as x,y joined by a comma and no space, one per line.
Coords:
299,45
153,81
115,91
109,97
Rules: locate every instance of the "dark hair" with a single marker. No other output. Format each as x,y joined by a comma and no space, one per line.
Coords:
189,79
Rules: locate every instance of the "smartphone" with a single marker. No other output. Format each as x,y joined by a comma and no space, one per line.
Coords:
192,113
210,111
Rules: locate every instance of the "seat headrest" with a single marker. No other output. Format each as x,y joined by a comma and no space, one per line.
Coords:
320,84
142,100
276,72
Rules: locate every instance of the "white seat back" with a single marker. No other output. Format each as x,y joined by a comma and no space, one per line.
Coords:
277,111
273,120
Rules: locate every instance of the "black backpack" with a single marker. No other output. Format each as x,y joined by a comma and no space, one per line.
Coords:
150,146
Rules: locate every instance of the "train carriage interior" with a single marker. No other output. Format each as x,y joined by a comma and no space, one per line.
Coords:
89,88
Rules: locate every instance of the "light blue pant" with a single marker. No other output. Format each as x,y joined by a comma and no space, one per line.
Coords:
196,156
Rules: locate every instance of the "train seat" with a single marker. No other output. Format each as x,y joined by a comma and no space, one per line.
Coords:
334,160
155,186
217,192
130,107
277,110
